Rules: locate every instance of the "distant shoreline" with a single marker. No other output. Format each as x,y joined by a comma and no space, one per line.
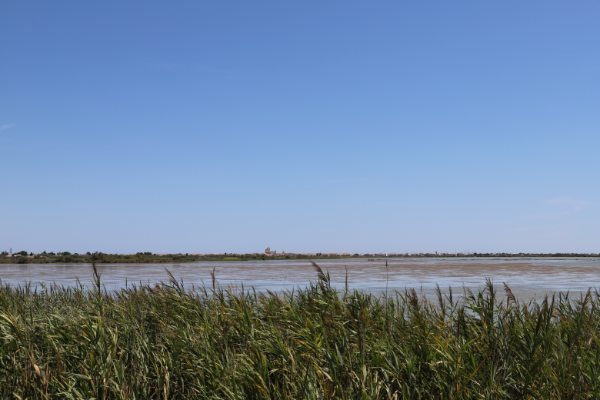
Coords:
176,259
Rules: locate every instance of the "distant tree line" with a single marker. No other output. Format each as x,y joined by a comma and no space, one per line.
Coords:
23,257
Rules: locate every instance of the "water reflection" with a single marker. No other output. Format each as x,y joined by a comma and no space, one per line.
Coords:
527,278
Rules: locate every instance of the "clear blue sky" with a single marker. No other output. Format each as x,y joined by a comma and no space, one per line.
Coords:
334,126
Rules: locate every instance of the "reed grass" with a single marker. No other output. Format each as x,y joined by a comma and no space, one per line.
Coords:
175,342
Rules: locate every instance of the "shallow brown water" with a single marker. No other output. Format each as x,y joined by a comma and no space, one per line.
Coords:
528,278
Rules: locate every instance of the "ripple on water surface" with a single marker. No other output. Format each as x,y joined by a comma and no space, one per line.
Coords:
528,278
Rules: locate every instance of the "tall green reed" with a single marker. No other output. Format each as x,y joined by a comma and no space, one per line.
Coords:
172,341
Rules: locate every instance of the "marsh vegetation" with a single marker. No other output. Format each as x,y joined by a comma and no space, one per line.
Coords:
178,342
23,257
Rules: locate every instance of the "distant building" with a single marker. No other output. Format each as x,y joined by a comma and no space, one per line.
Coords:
269,252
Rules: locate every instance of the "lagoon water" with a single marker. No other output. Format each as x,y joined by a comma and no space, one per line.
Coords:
528,278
